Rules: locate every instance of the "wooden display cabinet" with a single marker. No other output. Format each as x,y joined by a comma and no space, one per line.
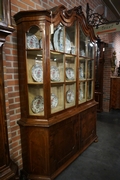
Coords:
115,93
56,75
99,68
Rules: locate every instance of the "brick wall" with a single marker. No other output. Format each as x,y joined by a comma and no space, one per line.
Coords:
11,66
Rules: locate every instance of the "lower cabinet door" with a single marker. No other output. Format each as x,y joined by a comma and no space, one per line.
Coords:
46,149
64,142
87,127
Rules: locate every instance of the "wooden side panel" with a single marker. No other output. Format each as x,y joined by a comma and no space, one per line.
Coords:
115,93
35,150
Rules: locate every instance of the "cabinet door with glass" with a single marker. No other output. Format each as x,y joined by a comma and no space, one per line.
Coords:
85,68
34,64
63,67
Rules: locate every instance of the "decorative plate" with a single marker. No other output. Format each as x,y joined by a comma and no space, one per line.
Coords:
70,96
58,39
70,73
32,42
37,104
54,73
54,101
37,72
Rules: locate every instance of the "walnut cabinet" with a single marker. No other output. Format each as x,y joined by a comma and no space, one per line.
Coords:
56,52
115,93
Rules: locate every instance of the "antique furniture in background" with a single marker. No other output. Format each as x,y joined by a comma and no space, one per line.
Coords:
56,56
8,168
99,67
115,93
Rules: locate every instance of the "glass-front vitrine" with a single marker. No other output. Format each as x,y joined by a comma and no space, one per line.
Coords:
56,75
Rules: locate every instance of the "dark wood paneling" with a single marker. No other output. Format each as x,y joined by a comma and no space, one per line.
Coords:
115,93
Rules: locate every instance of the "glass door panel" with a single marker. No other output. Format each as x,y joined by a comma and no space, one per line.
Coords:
70,95
90,69
57,39
36,99
90,50
82,92
34,63
89,90
70,68
56,67
57,98
82,68
82,43
70,39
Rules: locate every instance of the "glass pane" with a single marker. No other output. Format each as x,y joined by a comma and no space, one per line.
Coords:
70,40
82,92
70,98
82,43
57,98
56,67
90,50
34,38
82,68
90,69
70,68
34,61
35,99
57,39
89,90
34,66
